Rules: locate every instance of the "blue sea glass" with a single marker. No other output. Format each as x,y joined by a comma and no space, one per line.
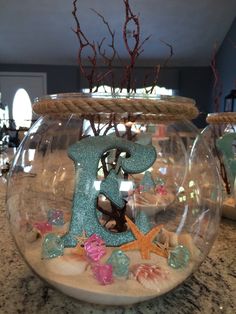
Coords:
55,217
179,257
53,246
147,182
120,263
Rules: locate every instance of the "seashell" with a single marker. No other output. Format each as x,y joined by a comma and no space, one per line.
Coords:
148,275
171,238
32,235
67,265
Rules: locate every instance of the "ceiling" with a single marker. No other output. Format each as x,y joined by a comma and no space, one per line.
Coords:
40,32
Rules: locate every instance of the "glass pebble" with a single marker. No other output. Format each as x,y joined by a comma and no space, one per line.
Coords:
95,248
147,182
161,190
55,217
53,246
43,227
120,263
103,273
179,257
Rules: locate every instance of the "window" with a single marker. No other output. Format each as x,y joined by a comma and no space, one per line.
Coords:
4,113
156,90
22,109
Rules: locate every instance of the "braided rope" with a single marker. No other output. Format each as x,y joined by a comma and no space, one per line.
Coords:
221,118
163,109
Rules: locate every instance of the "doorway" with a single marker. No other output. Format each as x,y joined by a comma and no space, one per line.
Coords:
34,83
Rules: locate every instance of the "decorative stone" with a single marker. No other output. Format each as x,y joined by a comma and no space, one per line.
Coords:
43,227
103,273
179,257
120,263
53,246
95,248
161,190
147,182
55,217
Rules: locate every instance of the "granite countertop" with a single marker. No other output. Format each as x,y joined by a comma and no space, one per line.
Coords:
211,289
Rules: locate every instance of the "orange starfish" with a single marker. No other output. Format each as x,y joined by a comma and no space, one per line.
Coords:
144,242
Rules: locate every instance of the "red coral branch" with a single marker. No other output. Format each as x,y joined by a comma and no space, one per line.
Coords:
84,43
171,53
133,45
108,60
157,69
136,49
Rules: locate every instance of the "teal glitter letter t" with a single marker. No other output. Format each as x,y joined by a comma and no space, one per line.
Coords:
86,155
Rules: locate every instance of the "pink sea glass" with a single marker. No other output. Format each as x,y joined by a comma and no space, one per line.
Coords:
161,190
103,273
56,217
43,227
95,247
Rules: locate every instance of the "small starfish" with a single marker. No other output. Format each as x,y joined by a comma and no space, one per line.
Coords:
77,253
144,242
79,249
164,246
81,239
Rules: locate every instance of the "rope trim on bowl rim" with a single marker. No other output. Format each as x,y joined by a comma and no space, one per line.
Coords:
221,118
165,108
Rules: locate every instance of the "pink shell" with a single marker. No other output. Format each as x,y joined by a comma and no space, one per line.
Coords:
95,247
148,275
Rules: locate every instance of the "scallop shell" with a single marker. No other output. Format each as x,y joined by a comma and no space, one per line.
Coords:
148,275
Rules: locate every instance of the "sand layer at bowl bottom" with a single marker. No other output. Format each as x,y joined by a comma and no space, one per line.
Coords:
73,276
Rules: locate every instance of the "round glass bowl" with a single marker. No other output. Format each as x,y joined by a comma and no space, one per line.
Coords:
220,136
106,196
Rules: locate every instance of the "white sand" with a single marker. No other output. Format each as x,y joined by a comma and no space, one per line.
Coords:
229,208
85,287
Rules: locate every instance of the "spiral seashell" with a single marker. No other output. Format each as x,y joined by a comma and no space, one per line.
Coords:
148,275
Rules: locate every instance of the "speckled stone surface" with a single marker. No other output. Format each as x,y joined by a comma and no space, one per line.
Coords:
211,289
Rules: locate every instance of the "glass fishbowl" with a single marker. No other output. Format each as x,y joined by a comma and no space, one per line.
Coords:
106,196
220,136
